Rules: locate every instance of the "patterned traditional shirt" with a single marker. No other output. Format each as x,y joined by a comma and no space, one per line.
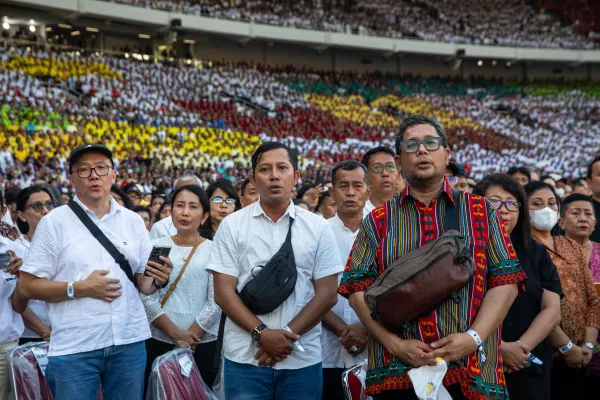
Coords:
404,224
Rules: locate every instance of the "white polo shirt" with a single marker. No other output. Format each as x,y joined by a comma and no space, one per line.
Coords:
163,228
335,354
63,250
247,239
11,323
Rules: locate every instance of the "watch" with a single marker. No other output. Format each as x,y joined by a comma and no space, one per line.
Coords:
163,286
590,345
70,290
256,332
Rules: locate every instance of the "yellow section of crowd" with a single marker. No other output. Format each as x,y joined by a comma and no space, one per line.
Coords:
58,68
177,146
353,108
414,105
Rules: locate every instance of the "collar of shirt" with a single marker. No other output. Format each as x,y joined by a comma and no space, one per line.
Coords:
446,188
114,207
336,219
257,210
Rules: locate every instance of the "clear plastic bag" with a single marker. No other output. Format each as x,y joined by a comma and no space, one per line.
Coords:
353,381
26,378
175,376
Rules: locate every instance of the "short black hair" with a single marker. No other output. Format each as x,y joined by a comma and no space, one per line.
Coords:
521,234
137,209
322,198
10,195
590,168
305,188
244,184
375,150
456,170
544,177
22,199
521,170
268,146
578,182
573,198
349,165
415,120
126,200
160,209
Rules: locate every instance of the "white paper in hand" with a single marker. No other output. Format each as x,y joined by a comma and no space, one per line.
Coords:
186,365
427,381
41,356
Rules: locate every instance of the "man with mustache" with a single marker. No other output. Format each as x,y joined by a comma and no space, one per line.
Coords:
463,331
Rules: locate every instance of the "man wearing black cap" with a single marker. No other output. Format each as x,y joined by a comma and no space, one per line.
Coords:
99,323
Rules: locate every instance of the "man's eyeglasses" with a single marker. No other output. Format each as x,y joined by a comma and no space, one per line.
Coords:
430,143
220,200
101,170
510,205
38,206
377,169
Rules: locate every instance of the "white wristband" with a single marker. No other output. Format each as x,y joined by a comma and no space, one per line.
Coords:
566,347
475,337
70,291
298,345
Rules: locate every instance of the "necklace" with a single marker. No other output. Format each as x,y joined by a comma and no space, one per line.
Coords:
199,240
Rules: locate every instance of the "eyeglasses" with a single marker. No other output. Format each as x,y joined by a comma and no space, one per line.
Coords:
38,206
430,143
510,205
220,200
377,169
453,180
101,170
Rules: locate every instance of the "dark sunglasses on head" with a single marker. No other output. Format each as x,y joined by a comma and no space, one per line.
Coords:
219,200
38,206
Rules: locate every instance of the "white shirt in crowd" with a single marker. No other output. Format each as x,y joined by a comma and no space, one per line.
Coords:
163,228
64,250
334,353
11,323
247,239
194,297
368,208
38,307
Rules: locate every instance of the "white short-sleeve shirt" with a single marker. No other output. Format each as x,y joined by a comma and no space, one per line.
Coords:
163,228
247,239
334,353
11,323
63,250
368,208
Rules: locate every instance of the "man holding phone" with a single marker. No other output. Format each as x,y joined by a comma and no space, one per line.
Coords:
98,321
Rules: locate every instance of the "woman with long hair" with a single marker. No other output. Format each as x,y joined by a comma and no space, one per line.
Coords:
532,317
189,313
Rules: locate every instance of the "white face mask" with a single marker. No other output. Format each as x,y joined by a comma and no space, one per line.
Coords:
543,220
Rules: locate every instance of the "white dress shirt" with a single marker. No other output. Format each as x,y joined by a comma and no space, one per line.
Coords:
163,228
11,323
247,239
63,250
334,353
368,208
193,300
38,307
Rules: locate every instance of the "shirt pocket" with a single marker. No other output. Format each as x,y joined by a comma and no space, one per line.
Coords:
131,249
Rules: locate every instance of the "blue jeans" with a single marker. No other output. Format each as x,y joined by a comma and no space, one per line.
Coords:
120,369
249,382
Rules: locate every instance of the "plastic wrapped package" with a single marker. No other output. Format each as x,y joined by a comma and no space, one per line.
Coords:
175,376
353,381
27,379
27,372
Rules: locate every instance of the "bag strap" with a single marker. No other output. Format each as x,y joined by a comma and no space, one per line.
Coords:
174,285
288,239
104,241
451,213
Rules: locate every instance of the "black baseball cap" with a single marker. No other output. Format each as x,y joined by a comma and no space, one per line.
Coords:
86,148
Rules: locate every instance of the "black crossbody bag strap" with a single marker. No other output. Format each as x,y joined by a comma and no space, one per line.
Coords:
217,363
451,213
104,241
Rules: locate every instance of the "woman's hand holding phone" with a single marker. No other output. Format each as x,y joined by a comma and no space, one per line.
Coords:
158,271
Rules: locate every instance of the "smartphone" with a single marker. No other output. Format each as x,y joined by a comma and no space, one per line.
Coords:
320,181
4,259
156,252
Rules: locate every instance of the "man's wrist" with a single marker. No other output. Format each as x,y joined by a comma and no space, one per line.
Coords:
79,289
565,349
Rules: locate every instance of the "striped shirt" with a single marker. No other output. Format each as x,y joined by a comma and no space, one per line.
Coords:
404,224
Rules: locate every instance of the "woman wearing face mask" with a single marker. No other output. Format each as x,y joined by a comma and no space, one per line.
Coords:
532,317
580,309
578,222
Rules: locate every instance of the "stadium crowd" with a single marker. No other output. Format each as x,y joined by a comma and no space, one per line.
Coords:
514,23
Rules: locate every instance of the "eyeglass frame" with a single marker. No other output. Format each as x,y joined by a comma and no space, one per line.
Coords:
93,169
43,204
385,167
504,203
440,141
233,200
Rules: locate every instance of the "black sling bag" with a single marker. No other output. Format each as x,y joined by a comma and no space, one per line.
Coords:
104,241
